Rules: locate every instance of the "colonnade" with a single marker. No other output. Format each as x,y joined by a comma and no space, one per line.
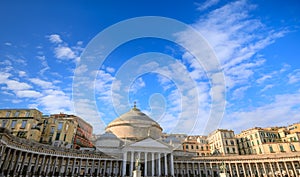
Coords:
151,163
269,167
17,162
20,157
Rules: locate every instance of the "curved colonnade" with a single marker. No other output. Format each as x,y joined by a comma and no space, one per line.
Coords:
19,157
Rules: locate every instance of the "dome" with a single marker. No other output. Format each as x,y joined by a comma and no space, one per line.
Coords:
108,139
134,125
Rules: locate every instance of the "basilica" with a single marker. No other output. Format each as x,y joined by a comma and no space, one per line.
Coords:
135,137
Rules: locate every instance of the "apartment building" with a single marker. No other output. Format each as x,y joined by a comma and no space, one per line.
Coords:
197,144
23,123
222,142
269,140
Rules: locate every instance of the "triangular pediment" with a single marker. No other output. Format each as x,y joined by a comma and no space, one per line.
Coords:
148,143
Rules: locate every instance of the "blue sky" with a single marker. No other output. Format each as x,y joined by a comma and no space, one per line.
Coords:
256,44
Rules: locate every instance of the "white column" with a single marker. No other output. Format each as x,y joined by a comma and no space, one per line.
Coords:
172,164
250,168
105,170
237,169
205,170
244,170
111,168
257,169
23,163
278,168
264,168
159,166
67,166
124,163
271,167
79,170
294,168
73,168
287,170
230,169
99,169
145,164
131,163
15,167
152,164
36,163
166,165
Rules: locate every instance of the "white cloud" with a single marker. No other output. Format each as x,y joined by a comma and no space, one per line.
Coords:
16,85
7,44
207,4
28,94
267,87
236,38
137,84
239,92
263,78
64,52
283,110
41,83
55,38
55,101
22,74
294,77
110,69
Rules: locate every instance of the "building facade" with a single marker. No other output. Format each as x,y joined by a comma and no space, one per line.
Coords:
197,144
222,142
267,140
61,130
23,123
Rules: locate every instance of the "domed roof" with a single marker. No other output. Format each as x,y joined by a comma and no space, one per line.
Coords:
135,125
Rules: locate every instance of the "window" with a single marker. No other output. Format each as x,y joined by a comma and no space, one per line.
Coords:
257,142
60,125
232,142
260,150
197,147
271,149
292,147
27,114
202,148
192,147
52,130
228,151
233,149
17,114
57,136
281,148
7,114
24,122
13,124
4,123
186,146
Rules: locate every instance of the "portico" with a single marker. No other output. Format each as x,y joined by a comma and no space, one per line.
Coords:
155,157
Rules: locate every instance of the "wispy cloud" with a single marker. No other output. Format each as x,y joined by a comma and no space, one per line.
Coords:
283,110
64,52
208,3
138,84
55,38
294,77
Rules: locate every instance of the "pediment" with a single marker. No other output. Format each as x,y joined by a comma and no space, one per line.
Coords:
149,143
